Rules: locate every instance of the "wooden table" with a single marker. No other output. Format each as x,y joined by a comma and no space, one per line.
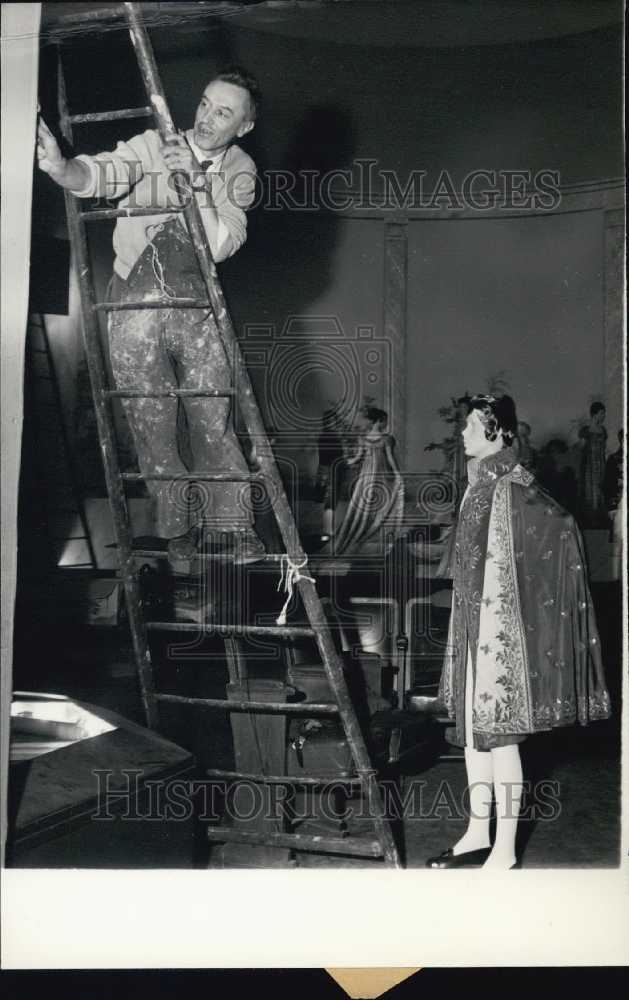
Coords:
102,802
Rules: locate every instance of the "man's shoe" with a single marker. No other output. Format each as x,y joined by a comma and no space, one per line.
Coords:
247,547
238,546
182,553
184,546
468,859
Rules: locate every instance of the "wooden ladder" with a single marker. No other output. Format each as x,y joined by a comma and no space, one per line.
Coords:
383,846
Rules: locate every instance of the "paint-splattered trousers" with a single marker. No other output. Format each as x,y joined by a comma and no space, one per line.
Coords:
161,349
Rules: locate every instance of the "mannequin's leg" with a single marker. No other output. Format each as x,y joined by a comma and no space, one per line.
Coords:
478,764
479,779
507,769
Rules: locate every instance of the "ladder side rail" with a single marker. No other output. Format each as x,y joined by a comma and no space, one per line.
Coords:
255,427
347,712
69,451
32,407
115,490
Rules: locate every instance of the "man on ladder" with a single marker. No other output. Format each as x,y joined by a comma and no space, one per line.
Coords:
155,350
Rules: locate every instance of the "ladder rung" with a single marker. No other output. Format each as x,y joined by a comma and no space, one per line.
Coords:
204,556
97,214
152,304
84,18
300,842
191,477
285,779
263,707
262,631
111,116
169,393
153,15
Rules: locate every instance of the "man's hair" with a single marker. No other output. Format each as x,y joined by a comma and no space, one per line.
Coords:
239,77
596,408
497,414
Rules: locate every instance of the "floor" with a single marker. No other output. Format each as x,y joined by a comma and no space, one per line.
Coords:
572,808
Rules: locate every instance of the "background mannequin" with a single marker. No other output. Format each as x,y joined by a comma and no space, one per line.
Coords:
376,504
593,444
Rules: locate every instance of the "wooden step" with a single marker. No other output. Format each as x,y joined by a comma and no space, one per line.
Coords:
241,631
300,842
174,303
284,779
269,707
111,116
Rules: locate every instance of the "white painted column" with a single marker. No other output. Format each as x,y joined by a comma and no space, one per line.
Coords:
20,61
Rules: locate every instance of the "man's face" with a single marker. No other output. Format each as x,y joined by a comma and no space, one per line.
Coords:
222,116
474,440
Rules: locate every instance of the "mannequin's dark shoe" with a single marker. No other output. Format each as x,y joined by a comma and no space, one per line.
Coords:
468,859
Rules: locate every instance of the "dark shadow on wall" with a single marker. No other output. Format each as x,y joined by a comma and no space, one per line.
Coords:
287,261
286,266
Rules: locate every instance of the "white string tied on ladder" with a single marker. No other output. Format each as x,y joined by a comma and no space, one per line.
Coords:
291,573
